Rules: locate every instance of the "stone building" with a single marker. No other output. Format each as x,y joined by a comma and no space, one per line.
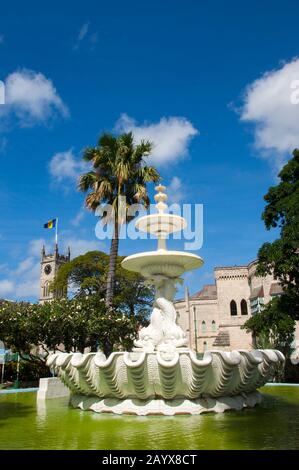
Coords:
212,317
50,263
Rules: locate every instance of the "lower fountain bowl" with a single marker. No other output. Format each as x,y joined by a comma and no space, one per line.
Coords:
166,383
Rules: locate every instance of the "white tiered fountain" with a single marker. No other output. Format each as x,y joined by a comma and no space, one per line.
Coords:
161,375
163,269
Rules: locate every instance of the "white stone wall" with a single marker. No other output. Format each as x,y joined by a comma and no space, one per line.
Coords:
239,339
233,283
207,312
201,310
52,387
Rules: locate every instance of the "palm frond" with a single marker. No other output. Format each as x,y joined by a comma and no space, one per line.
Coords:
148,174
108,140
142,150
127,140
89,154
87,181
92,201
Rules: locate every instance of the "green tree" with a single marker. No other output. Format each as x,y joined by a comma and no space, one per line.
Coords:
118,171
21,329
71,325
87,275
84,275
132,294
272,328
281,257
276,322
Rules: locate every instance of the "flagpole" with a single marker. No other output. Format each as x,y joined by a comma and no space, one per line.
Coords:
56,231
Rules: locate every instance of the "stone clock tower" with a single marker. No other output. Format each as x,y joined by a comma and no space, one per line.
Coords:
49,266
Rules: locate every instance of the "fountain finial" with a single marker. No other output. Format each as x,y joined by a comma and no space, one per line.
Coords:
160,198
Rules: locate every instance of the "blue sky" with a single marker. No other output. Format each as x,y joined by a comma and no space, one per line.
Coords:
209,82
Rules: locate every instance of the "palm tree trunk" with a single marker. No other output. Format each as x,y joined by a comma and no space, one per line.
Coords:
112,264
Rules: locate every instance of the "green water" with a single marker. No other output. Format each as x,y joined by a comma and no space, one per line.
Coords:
53,425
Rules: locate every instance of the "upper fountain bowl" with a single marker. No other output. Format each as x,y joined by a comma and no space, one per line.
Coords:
161,224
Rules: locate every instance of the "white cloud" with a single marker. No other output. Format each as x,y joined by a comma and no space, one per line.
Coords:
27,285
78,218
81,35
3,266
32,98
79,246
6,287
171,136
3,145
2,94
175,190
83,31
23,282
268,105
64,165
84,34
35,247
24,266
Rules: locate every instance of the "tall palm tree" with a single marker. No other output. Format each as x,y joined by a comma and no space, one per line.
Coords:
119,170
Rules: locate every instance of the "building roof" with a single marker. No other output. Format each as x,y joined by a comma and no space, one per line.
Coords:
275,289
208,292
222,339
257,292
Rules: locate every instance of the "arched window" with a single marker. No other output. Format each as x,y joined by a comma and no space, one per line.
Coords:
46,289
233,308
244,310
205,346
214,328
203,327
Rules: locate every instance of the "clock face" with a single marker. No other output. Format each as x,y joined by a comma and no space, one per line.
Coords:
48,269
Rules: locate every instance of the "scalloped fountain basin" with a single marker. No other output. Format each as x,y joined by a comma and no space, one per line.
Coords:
165,382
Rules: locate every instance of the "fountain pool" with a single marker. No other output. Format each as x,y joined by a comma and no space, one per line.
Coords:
26,424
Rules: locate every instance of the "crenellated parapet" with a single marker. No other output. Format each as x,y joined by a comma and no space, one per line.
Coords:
231,273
